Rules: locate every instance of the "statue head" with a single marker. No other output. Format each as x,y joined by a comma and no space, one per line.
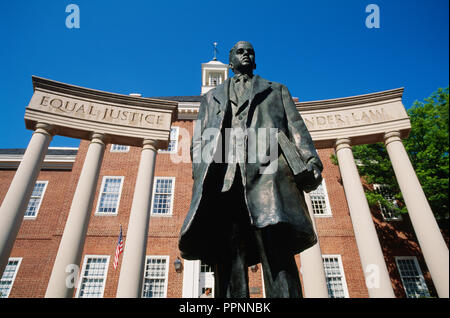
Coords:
242,58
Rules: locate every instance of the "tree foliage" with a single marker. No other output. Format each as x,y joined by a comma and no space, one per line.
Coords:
427,147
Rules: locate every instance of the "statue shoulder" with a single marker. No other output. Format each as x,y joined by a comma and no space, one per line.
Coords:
274,85
216,91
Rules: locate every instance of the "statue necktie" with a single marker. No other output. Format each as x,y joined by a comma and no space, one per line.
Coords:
242,85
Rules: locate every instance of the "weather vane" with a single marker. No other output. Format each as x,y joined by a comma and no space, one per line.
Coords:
215,51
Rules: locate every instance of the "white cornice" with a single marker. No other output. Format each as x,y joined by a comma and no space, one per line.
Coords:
188,110
382,96
51,162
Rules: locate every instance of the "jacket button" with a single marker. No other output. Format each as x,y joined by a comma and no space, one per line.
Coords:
240,117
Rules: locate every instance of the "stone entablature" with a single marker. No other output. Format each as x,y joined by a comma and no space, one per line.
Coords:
76,112
362,118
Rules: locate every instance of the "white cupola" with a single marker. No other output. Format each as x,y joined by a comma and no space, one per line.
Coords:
213,73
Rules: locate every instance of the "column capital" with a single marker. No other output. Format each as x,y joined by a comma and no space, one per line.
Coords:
149,144
98,138
342,143
391,136
43,128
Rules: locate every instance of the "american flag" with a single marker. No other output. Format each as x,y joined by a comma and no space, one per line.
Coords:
119,249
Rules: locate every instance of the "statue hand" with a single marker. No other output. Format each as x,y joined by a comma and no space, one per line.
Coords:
314,177
311,166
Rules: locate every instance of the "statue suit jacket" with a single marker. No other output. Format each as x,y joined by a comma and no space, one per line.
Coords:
273,199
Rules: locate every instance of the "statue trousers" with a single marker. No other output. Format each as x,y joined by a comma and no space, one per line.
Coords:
281,277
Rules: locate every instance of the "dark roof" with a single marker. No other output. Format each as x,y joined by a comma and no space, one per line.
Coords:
21,151
196,98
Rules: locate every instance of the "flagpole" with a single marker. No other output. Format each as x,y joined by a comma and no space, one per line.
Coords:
116,280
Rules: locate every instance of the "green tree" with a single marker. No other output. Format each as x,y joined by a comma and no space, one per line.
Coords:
427,147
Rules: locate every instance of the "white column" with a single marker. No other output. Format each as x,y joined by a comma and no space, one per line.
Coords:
72,241
313,272
191,279
133,262
375,271
433,246
204,80
16,200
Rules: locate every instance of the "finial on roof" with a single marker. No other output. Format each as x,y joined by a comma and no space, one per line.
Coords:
215,51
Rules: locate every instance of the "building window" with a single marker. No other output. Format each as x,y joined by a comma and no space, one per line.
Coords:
205,268
163,193
109,199
36,199
206,279
334,272
215,79
9,275
387,213
173,143
155,277
319,201
93,276
119,148
412,278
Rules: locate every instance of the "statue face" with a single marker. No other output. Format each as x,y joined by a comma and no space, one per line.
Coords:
243,59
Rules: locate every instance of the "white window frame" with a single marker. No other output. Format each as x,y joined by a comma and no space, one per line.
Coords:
341,269
376,187
117,148
327,212
204,278
175,148
166,274
12,259
170,213
419,272
105,275
97,213
32,217
215,75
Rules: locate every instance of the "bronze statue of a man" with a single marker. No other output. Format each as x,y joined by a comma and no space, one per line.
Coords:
243,213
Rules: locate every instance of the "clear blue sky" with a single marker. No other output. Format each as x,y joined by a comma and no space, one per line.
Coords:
319,49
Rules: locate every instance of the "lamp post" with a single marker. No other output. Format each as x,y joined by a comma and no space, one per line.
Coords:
178,265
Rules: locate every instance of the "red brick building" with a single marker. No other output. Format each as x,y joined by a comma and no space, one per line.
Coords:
36,246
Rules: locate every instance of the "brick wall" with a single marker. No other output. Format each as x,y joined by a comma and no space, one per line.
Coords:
38,239
35,243
336,234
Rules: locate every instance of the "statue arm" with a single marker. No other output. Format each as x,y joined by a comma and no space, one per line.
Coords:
196,142
300,136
